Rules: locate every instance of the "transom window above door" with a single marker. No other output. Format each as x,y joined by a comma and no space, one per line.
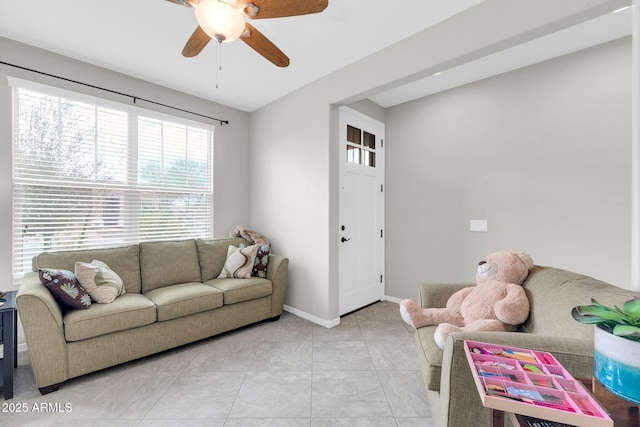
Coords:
361,147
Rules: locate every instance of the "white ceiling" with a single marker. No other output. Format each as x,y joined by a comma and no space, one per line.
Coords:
588,34
144,39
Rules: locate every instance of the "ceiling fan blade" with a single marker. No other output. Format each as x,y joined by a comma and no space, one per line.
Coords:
264,46
196,43
261,9
181,2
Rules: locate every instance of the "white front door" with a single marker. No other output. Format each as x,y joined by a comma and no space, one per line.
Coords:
361,238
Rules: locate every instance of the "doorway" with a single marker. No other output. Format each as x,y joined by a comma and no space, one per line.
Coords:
361,211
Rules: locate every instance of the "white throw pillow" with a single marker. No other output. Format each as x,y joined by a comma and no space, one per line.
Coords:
102,283
239,262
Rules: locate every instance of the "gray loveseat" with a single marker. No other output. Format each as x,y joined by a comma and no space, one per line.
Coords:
451,392
173,297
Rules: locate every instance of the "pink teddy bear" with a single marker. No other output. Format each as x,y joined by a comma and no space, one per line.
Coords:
497,303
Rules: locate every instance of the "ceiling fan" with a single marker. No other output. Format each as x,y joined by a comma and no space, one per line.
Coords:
224,21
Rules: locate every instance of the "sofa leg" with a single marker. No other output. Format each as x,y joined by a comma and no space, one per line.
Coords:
274,319
49,389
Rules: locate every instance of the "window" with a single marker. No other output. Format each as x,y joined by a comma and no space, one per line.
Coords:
366,155
88,173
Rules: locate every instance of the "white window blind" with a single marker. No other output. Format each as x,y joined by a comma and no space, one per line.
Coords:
91,174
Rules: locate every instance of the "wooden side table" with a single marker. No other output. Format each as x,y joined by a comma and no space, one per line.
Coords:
623,412
8,338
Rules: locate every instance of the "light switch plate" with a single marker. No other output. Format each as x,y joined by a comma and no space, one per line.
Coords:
478,225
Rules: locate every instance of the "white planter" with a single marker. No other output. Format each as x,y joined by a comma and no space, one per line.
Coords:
617,364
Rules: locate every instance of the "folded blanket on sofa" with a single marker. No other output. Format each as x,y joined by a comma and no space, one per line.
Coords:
253,237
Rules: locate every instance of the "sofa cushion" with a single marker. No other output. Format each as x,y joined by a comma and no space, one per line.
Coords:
168,263
430,357
65,288
184,299
126,312
212,255
102,283
124,261
238,290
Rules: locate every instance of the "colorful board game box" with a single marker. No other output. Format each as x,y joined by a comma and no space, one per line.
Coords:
532,383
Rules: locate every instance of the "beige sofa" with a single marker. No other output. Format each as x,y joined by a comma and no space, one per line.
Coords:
173,297
451,392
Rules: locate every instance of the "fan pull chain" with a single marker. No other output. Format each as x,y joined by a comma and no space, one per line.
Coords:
218,61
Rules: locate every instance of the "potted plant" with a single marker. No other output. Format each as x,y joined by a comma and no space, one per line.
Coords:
616,345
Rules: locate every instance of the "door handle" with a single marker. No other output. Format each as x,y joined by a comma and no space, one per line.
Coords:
344,239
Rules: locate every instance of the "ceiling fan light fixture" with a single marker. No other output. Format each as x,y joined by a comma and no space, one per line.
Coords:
219,20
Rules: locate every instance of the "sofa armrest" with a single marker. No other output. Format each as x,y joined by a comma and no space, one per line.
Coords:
435,295
42,323
277,271
459,399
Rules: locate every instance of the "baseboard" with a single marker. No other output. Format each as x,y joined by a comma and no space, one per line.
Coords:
311,318
328,323
392,299
22,349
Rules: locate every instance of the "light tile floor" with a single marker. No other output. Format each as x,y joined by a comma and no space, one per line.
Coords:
289,373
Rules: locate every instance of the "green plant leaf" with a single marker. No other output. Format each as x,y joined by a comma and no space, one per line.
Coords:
632,308
596,313
626,330
600,311
583,319
589,320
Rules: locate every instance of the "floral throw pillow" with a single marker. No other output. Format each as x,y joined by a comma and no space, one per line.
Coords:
239,263
65,288
261,262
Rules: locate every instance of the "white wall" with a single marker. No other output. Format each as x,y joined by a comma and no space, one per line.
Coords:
370,109
542,153
635,145
290,194
293,140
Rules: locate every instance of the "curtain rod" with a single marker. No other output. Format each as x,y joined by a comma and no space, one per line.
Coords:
135,98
